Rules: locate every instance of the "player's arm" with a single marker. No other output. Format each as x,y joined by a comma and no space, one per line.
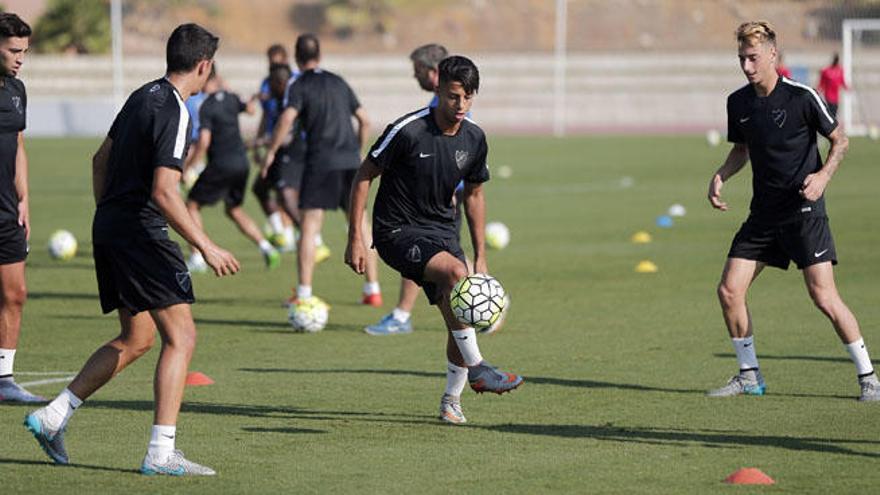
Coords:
282,129
250,107
475,210
815,183
21,187
99,168
356,251
736,160
201,148
168,200
363,127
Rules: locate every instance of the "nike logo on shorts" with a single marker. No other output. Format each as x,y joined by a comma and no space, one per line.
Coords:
425,155
820,253
744,120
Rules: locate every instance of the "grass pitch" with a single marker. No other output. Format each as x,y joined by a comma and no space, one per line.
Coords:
615,362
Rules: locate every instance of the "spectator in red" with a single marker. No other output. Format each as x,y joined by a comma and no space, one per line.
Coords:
830,82
781,68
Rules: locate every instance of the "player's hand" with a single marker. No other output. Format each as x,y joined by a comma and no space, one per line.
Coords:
356,257
814,186
714,194
480,266
24,218
267,162
220,260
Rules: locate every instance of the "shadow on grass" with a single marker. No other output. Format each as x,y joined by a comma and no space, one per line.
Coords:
539,380
244,323
825,359
678,437
62,295
28,462
257,429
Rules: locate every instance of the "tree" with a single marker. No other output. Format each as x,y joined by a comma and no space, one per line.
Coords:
79,26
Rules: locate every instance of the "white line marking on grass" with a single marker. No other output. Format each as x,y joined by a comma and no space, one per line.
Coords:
48,381
44,373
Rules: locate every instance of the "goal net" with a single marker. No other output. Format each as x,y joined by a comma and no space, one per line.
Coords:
860,106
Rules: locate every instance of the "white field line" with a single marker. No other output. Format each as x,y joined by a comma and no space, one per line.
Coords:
48,381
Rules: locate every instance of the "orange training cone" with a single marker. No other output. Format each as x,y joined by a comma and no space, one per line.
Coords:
196,378
749,476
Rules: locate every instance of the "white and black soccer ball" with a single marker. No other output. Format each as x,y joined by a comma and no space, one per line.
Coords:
62,245
309,315
477,300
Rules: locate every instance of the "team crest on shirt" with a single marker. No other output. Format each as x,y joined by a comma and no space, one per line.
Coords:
461,157
154,88
414,254
778,117
184,281
16,100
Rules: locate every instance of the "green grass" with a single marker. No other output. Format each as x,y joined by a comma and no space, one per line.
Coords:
615,362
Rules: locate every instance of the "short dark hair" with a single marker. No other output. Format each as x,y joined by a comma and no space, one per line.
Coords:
429,55
276,49
188,45
461,70
307,48
835,59
11,26
280,72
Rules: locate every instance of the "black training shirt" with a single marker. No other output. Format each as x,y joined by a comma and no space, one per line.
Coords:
150,131
421,168
326,105
13,111
780,131
219,114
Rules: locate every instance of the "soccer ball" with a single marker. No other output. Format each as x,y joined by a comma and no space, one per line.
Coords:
477,300
713,137
309,315
62,245
497,235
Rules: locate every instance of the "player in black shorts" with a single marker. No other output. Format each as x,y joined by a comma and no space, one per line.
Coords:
14,214
422,157
140,271
226,174
323,104
773,121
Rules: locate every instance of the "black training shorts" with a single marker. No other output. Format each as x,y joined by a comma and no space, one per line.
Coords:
141,274
289,165
326,189
408,251
216,184
806,242
13,244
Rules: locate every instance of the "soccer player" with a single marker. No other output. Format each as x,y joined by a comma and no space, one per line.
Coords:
324,105
140,271
15,226
773,122
225,176
422,157
830,82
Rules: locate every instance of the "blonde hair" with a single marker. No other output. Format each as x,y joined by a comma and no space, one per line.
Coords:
755,32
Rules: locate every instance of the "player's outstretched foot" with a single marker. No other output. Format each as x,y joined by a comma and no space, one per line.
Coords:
389,325
500,321
870,388
13,392
744,383
51,441
272,259
450,410
175,465
374,300
322,252
486,378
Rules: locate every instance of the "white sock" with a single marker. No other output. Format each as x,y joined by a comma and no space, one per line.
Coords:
745,352
276,222
303,292
466,340
59,411
289,236
400,315
319,241
371,288
7,359
265,246
859,355
456,379
162,442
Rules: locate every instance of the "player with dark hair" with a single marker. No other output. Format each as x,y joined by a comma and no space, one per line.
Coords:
15,225
140,271
773,122
225,176
422,157
323,105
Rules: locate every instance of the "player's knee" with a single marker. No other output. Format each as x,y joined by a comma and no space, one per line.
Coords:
15,295
825,300
728,295
457,272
